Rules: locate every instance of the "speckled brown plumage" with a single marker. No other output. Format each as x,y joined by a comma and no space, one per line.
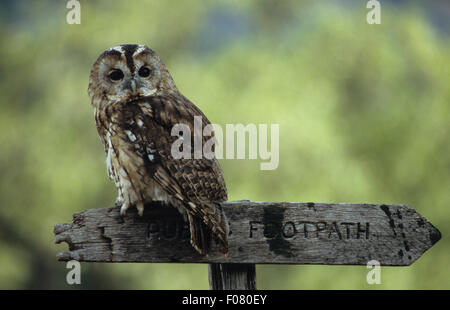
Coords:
135,124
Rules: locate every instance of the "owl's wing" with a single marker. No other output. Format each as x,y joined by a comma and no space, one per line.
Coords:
197,183
198,179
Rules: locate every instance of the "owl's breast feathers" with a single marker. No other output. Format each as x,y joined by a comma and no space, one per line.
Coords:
140,134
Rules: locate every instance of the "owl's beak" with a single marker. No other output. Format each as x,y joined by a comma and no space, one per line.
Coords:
133,87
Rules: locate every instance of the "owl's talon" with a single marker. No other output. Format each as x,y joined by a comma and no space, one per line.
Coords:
123,209
140,208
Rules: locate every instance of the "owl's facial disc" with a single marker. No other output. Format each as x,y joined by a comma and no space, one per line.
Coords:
128,72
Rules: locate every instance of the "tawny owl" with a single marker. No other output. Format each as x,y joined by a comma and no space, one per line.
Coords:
136,106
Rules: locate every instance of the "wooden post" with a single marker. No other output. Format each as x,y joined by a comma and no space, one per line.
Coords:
260,233
232,276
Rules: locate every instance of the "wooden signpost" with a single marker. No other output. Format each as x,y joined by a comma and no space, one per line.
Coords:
260,233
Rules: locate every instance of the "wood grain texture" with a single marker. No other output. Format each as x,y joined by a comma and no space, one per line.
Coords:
232,276
260,233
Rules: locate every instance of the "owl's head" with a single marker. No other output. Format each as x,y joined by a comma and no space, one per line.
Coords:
127,72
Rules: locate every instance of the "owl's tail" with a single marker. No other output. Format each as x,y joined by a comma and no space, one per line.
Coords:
207,220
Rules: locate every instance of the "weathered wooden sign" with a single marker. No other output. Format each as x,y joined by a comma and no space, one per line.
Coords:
260,233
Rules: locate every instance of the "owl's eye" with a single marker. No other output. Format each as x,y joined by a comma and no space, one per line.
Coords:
144,72
116,75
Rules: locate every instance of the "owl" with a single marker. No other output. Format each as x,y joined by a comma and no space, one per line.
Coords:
136,105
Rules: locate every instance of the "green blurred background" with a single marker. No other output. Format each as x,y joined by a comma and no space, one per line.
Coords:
364,115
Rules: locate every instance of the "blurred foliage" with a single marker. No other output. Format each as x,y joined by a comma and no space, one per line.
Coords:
363,113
